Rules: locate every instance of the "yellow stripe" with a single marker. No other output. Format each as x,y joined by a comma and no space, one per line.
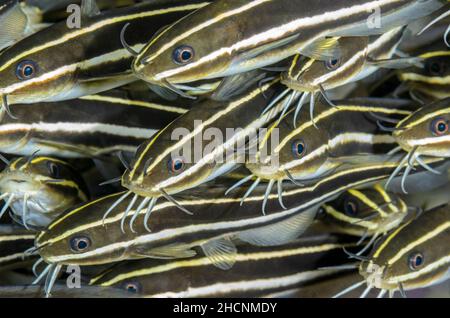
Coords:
206,261
368,202
438,230
256,198
129,102
188,203
353,221
434,54
13,164
231,106
413,77
16,237
203,25
428,269
438,112
327,113
65,216
144,153
387,198
389,239
275,32
72,36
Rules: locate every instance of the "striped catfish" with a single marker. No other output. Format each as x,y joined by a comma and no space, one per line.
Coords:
59,63
90,126
370,212
257,271
176,158
306,153
83,236
413,256
358,58
14,241
432,80
365,212
259,33
38,189
424,133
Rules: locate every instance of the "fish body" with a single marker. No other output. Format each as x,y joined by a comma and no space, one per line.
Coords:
259,33
215,223
354,61
316,147
365,212
426,131
257,271
60,63
174,160
90,126
412,256
433,79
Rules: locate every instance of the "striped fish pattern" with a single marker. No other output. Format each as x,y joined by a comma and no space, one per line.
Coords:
29,71
141,142
410,257
123,119
258,272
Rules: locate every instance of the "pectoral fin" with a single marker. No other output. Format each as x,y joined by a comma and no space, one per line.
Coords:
163,92
221,252
282,232
323,49
237,84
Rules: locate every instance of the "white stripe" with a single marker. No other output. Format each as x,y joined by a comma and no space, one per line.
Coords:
231,226
245,286
101,24
342,139
11,257
80,128
16,237
278,33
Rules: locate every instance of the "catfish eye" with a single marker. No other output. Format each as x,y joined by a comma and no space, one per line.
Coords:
26,70
350,208
183,54
415,260
298,148
439,127
176,165
53,169
332,64
80,243
436,69
132,287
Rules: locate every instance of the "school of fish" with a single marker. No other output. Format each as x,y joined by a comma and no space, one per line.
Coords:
225,148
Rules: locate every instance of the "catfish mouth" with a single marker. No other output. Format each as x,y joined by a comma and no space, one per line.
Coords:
403,140
266,172
298,85
18,183
141,189
376,275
